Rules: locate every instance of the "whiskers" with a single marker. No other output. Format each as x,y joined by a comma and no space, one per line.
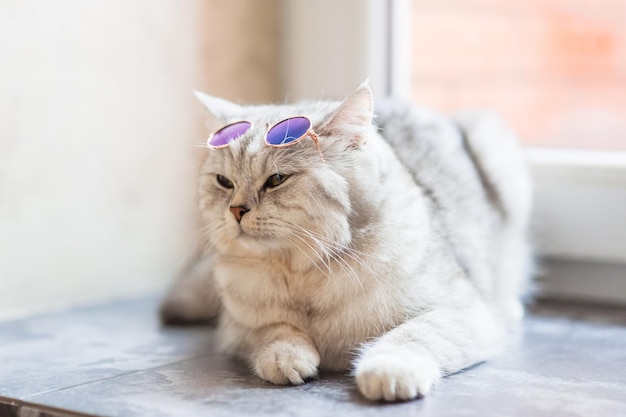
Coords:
329,252
319,251
202,239
201,145
325,261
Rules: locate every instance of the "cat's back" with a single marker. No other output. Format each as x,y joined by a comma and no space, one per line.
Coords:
472,153
471,170
433,148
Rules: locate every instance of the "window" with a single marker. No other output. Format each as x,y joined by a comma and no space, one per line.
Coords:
555,69
557,72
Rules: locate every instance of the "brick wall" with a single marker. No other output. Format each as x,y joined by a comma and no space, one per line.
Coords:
556,69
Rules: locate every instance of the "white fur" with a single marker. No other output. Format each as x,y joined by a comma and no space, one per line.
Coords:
386,257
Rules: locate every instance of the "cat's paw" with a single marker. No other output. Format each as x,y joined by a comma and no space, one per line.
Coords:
283,363
388,377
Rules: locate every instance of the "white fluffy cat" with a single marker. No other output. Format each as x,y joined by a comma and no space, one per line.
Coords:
399,253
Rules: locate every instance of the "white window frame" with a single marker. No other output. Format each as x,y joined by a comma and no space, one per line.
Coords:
580,195
580,228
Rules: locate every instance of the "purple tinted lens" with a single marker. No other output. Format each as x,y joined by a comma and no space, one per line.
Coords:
288,130
229,133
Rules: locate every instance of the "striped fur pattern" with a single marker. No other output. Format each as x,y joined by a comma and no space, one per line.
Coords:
401,256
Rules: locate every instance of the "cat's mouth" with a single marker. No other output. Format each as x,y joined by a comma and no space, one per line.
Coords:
249,235
256,242
251,231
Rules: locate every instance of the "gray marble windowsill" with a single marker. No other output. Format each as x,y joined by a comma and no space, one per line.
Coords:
116,360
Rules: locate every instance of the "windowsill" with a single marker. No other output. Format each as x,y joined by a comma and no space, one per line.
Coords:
577,158
580,206
583,281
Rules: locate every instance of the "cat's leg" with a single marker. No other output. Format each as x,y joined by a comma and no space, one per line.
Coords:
405,362
193,297
279,353
285,356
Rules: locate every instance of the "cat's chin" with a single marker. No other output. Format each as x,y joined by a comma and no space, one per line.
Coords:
256,243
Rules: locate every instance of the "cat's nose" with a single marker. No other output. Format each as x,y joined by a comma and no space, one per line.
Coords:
238,212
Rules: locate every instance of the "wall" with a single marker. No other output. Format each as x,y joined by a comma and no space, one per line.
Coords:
556,69
326,54
98,129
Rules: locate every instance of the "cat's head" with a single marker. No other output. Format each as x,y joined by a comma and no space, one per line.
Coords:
262,200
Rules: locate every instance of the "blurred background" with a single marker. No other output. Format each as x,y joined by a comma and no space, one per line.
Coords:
99,129
555,68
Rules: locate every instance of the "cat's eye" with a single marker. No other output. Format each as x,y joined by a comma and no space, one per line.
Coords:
275,180
225,182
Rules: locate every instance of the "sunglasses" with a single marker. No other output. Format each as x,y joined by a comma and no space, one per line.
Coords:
284,133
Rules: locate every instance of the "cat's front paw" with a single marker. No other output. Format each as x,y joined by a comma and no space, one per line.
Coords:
283,362
388,377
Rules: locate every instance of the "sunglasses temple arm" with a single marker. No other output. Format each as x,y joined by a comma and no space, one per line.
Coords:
313,136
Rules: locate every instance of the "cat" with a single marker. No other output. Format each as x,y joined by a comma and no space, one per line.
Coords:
398,250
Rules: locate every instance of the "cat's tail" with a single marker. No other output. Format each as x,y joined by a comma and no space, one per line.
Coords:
500,161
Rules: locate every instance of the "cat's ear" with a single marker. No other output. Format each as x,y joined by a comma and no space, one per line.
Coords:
221,109
353,116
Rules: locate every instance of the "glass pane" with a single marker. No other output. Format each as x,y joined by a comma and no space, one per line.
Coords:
556,69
